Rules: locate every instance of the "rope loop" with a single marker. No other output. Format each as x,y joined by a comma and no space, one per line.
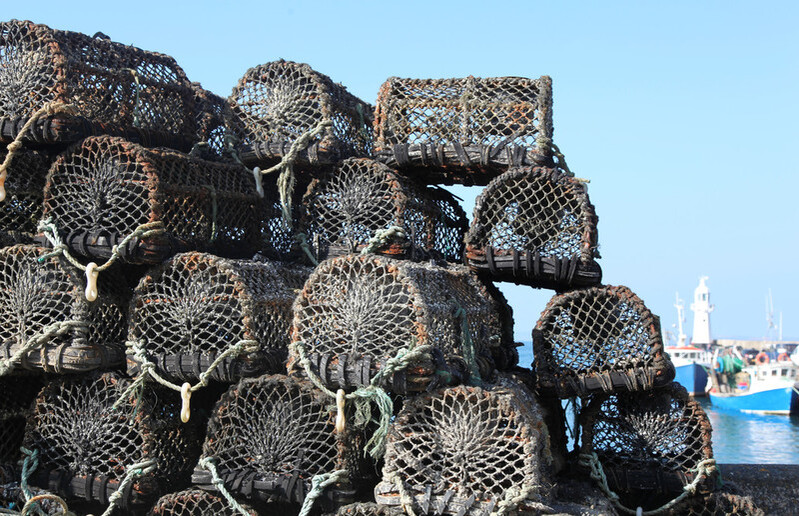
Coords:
704,469
383,237
51,108
131,474
209,464
318,485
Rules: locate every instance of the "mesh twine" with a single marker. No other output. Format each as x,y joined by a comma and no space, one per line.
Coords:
318,485
209,464
286,179
133,472
468,346
382,238
50,108
703,470
147,369
136,115
47,334
50,231
363,396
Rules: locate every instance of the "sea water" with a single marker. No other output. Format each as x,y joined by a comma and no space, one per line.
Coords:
738,438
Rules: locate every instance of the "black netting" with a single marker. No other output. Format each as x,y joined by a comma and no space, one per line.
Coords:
101,190
195,502
16,397
275,103
535,226
114,88
34,296
650,444
463,130
271,435
357,311
22,207
188,311
86,446
717,504
212,111
466,450
348,205
599,339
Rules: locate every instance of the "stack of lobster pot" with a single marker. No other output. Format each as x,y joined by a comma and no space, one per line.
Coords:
110,165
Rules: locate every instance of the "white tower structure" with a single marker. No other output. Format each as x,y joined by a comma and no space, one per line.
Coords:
701,308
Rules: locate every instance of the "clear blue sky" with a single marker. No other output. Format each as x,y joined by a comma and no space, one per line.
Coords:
684,115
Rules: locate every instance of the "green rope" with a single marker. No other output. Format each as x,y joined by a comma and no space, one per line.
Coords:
382,237
318,485
467,346
133,472
209,464
148,369
286,180
591,461
515,495
302,239
364,396
29,465
48,333
33,504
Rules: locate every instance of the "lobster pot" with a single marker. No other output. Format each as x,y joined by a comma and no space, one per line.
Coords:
22,207
86,446
599,339
649,444
270,435
275,103
717,504
16,397
506,355
463,130
104,188
195,502
466,450
37,298
347,206
535,226
358,311
112,88
188,311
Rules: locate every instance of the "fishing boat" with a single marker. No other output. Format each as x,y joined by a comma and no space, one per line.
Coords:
691,363
765,387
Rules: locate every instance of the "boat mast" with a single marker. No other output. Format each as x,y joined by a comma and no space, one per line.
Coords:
701,308
680,306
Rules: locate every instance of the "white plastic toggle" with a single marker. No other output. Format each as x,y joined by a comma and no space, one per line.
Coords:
259,183
341,423
185,408
91,281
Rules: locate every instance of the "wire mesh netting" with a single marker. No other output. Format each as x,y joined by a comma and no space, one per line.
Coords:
104,188
650,444
535,226
188,311
36,296
275,103
271,435
212,110
368,509
195,502
22,208
87,447
466,450
358,311
463,130
717,504
347,206
599,339
113,88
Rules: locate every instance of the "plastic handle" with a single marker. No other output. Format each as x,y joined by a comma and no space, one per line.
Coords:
3,186
259,184
341,422
91,282
185,408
